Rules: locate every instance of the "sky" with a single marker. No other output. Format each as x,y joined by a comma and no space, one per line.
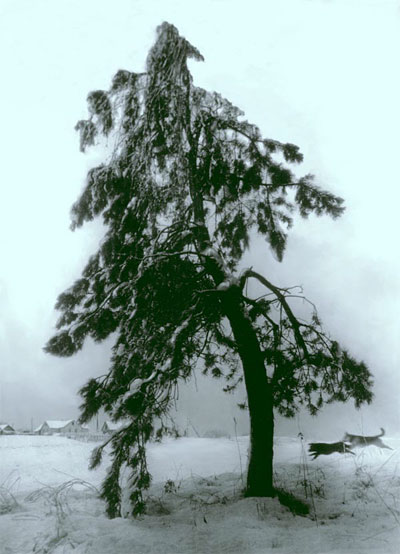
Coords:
322,74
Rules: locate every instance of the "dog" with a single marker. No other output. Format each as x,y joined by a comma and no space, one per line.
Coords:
318,448
360,440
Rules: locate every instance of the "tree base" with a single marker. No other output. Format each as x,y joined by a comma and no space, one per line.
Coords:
287,499
266,492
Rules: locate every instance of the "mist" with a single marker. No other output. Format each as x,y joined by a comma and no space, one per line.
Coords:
319,74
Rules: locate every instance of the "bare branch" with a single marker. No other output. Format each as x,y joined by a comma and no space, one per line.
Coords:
281,297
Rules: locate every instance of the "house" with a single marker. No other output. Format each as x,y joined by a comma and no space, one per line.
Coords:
110,427
50,427
6,429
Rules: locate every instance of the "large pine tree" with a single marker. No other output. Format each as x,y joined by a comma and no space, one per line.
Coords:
187,184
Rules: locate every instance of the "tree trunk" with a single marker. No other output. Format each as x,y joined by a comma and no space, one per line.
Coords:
259,395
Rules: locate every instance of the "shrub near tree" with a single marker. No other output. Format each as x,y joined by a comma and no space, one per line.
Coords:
187,184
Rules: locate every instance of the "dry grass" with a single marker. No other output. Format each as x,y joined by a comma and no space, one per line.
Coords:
56,500
8,502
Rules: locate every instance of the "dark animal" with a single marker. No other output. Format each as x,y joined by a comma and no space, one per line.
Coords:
361,440
318,448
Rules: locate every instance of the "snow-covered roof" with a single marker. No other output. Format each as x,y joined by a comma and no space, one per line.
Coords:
58,424
112,426
5,426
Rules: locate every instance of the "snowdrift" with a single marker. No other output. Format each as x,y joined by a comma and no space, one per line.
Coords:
49,500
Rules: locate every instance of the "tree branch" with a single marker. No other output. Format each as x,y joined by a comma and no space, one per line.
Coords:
281,297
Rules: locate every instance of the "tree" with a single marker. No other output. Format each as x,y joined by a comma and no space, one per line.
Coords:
187,184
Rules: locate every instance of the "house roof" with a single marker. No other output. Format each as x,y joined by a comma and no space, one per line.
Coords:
58,424
4,426
55,424
112,426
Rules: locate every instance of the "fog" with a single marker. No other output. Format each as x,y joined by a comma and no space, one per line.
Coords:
321,74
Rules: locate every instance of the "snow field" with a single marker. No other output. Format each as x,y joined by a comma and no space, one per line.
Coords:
195,503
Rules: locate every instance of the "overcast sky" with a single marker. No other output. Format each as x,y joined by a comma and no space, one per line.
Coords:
323,74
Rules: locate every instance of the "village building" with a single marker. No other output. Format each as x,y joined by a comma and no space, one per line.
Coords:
6,429
110,427
51,427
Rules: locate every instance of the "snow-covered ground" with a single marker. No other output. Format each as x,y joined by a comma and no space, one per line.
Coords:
49,503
